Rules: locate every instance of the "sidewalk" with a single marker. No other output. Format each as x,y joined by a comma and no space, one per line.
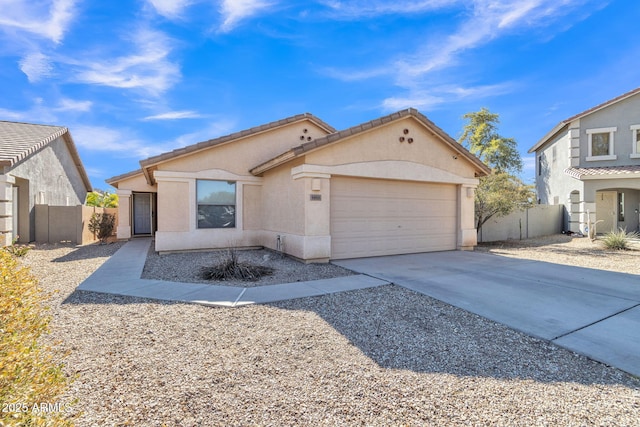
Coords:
120,275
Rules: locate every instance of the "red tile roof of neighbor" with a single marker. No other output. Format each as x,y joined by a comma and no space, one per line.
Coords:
604,171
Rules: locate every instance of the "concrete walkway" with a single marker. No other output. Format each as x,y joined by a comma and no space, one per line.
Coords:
592,312
121,273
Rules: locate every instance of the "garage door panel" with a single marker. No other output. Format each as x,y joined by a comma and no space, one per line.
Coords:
377,217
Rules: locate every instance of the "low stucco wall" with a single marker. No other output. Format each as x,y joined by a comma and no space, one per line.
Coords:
539,220
55,224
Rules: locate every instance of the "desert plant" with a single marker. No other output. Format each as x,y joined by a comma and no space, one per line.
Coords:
102,225
16,249
618,239
30,378
231,268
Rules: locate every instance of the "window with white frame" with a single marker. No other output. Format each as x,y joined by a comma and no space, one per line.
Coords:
601,144
216,203
635,141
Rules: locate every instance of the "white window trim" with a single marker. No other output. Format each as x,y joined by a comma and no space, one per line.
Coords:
610,156
634,143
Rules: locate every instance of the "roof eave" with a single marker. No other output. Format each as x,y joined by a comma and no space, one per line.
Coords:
77,161
557,128
275,162
233,137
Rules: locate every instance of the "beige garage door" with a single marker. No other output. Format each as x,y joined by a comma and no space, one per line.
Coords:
371,217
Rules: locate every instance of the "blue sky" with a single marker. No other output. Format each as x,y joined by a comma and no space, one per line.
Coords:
131,79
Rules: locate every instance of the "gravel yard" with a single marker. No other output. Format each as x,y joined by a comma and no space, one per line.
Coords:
578,251
186,266
382,356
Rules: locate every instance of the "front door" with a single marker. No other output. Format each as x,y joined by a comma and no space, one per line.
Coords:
606,211
142,212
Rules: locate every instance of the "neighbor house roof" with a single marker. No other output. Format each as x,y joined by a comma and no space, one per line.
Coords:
603,172
364,127
20,140
591,110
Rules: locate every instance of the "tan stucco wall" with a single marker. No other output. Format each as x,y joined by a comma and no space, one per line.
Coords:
175,206
252,209
383,143
241,155
137,183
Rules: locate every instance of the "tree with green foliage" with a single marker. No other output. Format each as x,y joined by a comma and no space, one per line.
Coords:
102,199
480,136
502,192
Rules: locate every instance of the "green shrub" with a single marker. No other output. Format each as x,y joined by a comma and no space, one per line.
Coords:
102,225
31,382
618,239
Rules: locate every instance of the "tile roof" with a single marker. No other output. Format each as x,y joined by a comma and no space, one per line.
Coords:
20,140
337,136
603,172
241,134
566,122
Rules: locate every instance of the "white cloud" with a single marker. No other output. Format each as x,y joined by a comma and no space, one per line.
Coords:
171,9
488,20
174,115
36,66
66,104
147,68
420,100
434,96
104,139
45,18
212,131
12,115
370,8
234,11
126,144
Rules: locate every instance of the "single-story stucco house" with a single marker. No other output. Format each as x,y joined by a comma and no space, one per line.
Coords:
39,164
394,185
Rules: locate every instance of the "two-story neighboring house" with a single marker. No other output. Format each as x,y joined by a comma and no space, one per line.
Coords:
590,163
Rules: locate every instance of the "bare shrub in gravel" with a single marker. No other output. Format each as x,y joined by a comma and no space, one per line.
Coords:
230,268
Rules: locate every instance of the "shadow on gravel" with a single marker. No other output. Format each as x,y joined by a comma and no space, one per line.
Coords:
403,330
95,250
90,297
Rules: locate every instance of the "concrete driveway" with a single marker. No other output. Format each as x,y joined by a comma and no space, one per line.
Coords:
591,312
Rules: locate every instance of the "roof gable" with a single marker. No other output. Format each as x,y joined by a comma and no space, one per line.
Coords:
20,140
336,137
557,128
151,163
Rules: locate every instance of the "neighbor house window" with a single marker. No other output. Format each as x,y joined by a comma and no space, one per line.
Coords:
635,141
216,203
601,144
